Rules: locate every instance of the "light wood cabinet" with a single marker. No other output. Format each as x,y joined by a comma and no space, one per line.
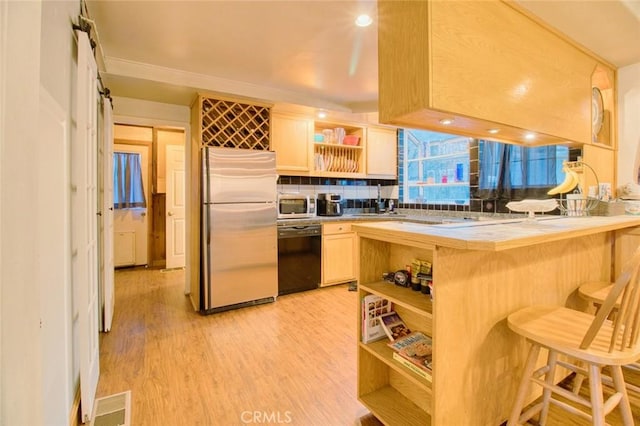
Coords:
604,126
382,153
483,65
217,122
332,159
478,282
338,253
291,138
602,160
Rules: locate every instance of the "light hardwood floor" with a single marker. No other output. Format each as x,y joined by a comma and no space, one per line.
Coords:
289,362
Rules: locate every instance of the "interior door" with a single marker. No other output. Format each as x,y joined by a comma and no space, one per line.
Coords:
175,206
107,215
84,213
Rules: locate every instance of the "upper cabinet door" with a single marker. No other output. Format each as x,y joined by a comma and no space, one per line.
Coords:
485,65
382,153
291,138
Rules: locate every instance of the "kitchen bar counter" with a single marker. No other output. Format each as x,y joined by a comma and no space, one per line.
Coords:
384,217
499,234
482,272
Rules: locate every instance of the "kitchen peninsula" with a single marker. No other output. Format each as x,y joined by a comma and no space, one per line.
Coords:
482,272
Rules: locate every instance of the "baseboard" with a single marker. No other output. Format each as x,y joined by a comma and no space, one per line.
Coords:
74,416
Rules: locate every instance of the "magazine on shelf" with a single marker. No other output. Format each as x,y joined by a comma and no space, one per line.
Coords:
373,307
422,372
416,347
394,326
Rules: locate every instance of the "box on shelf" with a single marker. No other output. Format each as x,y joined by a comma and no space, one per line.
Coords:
351,140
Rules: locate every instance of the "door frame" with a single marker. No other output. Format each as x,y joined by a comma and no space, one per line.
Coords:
186,127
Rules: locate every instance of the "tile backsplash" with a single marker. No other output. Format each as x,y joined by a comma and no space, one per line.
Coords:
357,193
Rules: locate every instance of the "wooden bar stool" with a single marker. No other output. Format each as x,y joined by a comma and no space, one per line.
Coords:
586,340
596,292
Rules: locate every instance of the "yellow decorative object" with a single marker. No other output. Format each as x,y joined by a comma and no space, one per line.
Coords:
571,180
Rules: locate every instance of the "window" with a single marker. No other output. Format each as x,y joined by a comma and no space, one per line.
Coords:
436,168
517,172
128,190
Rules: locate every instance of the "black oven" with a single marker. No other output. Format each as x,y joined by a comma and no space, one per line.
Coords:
299,258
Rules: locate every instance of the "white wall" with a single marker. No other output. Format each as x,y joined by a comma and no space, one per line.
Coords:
39,376
21,403
148,113
629,124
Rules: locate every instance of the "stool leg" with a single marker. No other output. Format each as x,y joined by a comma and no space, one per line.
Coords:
524,385
549,379
597,402
578,379
619,384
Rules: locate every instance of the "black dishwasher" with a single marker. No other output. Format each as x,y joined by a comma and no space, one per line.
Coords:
299,258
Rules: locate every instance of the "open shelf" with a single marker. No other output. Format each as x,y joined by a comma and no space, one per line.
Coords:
439,184
414,301
336,145
442,156
383,352
394,392
393,408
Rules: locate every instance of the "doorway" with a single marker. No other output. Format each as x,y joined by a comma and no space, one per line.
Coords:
131,223
158,229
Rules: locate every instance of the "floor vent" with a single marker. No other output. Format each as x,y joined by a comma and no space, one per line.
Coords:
112,410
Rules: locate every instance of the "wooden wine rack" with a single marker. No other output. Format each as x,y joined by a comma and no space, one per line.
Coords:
232,124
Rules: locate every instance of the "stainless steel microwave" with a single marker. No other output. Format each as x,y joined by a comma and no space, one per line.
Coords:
295,205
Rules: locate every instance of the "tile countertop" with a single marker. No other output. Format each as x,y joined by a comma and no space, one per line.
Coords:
398,217
498,234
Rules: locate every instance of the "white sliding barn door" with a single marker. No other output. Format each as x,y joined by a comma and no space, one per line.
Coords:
107,214
84,220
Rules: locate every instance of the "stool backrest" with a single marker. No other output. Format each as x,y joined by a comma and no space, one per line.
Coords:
626,325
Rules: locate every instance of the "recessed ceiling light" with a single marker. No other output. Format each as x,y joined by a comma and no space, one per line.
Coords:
322,114
530,136
364,20
446,121
493,131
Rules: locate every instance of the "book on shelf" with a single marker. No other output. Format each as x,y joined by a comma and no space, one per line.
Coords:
394,326
416,348
424,373
373,307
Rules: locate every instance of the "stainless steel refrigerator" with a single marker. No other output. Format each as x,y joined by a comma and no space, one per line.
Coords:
239,241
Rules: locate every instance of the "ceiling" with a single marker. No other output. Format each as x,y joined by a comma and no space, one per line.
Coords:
305,52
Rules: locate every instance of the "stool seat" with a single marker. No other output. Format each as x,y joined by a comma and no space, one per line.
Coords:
596,291
563,329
